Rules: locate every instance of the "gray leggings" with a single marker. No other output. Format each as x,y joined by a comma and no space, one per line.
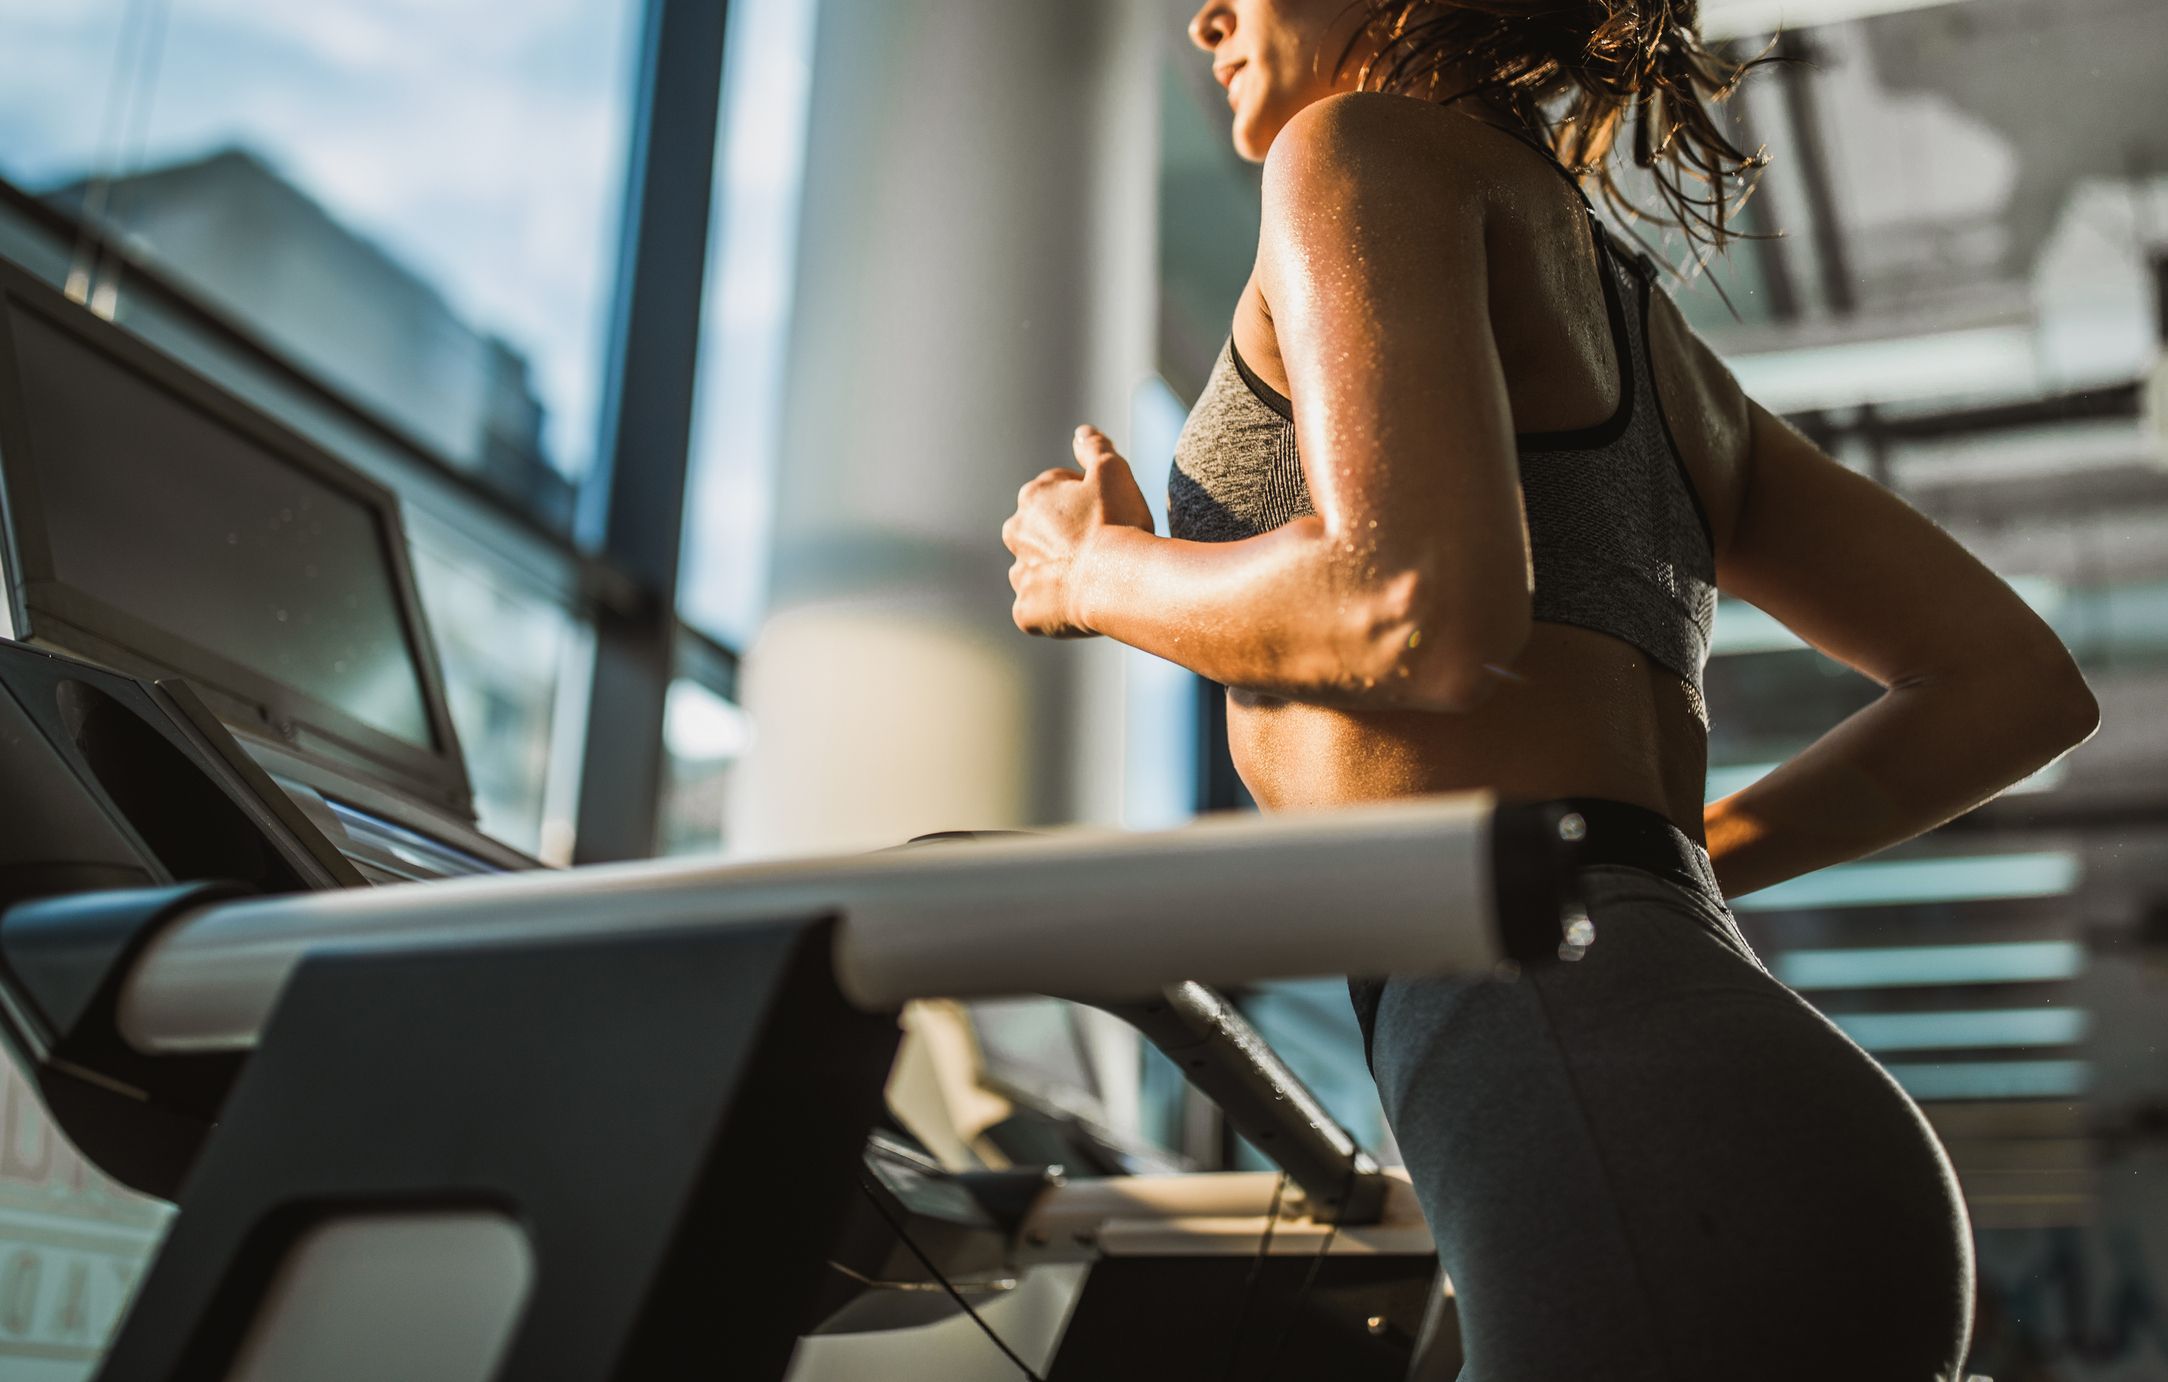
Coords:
1659,1164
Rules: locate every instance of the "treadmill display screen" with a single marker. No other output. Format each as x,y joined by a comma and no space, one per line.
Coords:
167,515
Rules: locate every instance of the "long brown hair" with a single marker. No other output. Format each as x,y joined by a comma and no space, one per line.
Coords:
1575,73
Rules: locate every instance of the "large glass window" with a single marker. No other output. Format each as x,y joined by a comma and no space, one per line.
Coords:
704,736
414,200
509,653
391,225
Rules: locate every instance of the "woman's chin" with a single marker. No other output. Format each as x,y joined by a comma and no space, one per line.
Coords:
1251,139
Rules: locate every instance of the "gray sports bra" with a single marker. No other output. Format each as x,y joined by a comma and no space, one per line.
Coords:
1618,538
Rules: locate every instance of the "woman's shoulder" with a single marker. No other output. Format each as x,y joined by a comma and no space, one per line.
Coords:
1375,134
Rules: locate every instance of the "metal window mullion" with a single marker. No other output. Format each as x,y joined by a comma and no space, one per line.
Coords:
1832,257
706,663
635,500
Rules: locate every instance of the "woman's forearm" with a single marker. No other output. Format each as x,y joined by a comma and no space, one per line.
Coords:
1921,755
1275,613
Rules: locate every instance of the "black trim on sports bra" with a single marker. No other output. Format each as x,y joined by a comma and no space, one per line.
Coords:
1671,443
1603,433
1272,398
1645,274
1611,429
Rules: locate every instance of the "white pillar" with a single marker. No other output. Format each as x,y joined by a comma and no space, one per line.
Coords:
976,276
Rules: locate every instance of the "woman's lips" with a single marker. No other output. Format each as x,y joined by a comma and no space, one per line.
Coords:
1227,76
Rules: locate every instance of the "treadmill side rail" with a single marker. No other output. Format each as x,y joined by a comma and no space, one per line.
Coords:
142,1119
1087,913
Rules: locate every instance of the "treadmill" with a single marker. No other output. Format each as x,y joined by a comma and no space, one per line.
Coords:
218,683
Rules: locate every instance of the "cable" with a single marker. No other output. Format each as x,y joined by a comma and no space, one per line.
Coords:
1317,1262
954,1294
1249,1287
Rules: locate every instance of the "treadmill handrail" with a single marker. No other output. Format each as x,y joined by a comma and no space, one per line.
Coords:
1083,912
1232,1064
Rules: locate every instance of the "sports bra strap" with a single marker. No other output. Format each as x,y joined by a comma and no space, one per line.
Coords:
1606,247
1541,148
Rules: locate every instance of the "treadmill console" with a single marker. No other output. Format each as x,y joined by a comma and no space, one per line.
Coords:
160,526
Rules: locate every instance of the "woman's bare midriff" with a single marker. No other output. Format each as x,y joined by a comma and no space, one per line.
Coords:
1592,717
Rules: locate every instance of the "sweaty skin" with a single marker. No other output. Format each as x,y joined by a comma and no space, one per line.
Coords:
1424,288
1582,713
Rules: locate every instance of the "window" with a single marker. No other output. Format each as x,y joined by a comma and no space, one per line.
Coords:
507,651
745,337
337,212
704,735
413,200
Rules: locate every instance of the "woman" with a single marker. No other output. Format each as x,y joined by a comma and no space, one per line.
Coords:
1451,514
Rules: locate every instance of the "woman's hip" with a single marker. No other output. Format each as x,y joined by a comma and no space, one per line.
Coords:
1670,1123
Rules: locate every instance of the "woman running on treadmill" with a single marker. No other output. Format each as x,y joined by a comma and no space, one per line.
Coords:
1451,514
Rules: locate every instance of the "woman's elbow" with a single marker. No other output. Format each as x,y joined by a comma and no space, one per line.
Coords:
2035,691
1450,657
2068,709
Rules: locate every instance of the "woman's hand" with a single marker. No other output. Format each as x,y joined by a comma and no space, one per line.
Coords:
1057,516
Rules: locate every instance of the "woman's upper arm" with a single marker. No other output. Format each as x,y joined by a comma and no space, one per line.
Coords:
1869,580
1371,263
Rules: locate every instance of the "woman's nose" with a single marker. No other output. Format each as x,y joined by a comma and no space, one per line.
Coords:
1209,27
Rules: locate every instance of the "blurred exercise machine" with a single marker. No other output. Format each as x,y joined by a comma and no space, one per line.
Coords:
391,1116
